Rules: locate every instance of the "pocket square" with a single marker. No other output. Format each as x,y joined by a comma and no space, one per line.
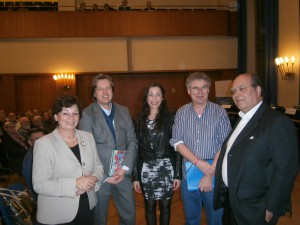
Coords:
252,137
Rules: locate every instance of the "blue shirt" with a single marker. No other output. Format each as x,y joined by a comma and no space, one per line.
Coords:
203,135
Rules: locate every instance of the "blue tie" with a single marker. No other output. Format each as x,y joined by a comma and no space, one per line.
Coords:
109,119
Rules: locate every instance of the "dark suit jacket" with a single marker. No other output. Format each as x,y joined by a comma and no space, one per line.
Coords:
262,166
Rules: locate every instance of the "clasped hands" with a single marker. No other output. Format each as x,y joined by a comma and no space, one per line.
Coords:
85,183
205,184
117,177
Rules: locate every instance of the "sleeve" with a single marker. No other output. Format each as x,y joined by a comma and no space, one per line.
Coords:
284,154
131,145
177,130
135,175
178,156
98,167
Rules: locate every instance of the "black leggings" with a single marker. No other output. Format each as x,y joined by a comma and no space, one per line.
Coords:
165,211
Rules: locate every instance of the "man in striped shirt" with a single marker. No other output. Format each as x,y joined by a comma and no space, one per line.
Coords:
199,130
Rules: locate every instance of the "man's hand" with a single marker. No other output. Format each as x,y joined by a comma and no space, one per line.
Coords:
117,177
206,168
269,216
205,184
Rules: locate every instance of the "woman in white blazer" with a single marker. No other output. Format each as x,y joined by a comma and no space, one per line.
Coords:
67,170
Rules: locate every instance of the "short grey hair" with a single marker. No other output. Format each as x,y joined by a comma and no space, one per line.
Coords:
197,76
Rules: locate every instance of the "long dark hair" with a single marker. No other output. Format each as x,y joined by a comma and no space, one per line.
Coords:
145,111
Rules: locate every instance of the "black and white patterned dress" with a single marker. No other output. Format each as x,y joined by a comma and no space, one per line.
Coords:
157,177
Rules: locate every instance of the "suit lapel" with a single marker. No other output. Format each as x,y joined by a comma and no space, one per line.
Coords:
251,125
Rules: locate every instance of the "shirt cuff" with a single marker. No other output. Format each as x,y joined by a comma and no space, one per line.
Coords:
126,168
177,143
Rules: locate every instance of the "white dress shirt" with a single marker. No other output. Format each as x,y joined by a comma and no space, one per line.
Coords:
243,122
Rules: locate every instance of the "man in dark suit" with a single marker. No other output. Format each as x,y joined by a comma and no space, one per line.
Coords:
258,161
112,127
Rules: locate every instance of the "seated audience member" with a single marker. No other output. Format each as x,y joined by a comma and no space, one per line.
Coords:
48,122
10,6
95,7
12,117
15,147
149,6
24,126
29,114
124,6
35,134
35,112
37,122
82,7
22,7
107,7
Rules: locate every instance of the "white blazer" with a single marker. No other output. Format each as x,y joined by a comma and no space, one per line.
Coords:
54,173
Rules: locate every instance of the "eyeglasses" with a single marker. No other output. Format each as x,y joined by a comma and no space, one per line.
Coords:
240,89
204,89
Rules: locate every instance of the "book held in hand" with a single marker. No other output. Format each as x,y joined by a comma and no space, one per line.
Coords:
194,175
116,161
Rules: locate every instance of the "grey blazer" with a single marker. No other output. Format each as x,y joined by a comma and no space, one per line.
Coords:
93,121
54,173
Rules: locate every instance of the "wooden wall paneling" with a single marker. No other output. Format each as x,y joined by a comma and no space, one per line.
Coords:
47,92
129,90
59,25
9,94
83,87
115,24
8,25
27,93
174,85
90,21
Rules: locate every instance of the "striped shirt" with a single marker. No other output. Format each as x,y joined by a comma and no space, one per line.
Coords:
203,135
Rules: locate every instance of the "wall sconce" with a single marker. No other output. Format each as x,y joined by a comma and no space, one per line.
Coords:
64,83
284,69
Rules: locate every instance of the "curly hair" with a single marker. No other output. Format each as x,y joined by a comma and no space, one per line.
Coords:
162,109
66,100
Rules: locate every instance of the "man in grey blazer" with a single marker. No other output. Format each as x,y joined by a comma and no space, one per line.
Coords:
258,161
112,127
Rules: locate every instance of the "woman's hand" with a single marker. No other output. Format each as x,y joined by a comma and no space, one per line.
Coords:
137,186
176,184
86,183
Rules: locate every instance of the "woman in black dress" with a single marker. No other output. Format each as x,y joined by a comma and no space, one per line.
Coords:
157,172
